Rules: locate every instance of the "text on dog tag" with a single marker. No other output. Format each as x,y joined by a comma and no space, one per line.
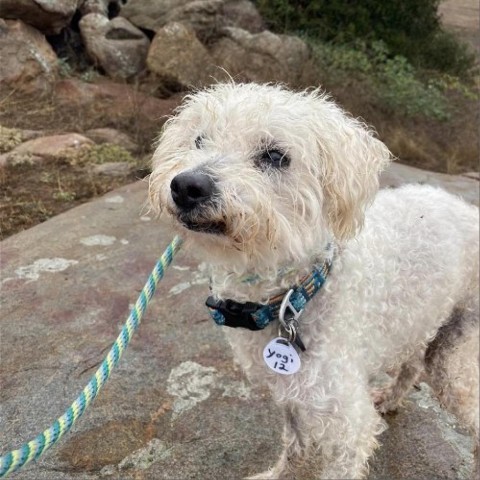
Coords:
281,357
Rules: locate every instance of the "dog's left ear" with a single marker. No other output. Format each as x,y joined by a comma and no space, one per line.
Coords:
352,161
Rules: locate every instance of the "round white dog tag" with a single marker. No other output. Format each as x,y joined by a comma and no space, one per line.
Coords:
281,357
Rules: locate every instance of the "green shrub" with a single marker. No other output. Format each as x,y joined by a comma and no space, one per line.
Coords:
410,28
401,89
392,80
390,20
447,53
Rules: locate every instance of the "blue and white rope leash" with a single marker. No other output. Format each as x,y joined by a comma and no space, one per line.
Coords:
35,448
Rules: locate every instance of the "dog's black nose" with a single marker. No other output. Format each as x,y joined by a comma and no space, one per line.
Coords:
190,189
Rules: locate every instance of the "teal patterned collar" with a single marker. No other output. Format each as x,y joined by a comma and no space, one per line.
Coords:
256,316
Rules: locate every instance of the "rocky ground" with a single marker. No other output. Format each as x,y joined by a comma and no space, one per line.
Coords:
177,406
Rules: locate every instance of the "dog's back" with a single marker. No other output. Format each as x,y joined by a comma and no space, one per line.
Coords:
449,230
419,252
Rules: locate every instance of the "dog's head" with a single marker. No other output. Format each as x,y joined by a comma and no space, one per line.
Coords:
264,174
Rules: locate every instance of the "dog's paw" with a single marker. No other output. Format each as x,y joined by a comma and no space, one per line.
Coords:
383,399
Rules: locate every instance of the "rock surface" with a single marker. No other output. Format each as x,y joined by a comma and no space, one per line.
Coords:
111,135
203,16
117,46
113,169
151,14
178,58
261,57
52,147
28,63
177,406
242,14
118,99
49,16
100,6
466,186
12,137
206,17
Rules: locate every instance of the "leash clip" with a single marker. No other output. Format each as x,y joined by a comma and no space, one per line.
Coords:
293,313
289,320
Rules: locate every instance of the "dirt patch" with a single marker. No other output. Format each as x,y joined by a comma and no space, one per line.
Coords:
32,192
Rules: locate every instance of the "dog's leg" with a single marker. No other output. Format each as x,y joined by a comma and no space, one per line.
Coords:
332,429
390,398
296,442
346,439
452,365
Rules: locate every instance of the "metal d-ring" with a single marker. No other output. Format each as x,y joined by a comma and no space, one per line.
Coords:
290,324
289,329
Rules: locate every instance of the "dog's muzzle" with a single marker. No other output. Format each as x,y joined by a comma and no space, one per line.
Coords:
191,189
194,194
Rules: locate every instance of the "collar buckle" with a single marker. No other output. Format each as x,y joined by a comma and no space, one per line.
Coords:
235,314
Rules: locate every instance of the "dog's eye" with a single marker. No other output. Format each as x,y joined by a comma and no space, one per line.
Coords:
273,158
199,141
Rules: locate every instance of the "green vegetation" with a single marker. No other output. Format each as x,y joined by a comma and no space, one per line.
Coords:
409,28
393,80
397,51
62,196
103,153
64,68
9,138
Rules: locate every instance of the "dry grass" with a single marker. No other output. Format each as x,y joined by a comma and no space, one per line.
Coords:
50,115
443,146
32,192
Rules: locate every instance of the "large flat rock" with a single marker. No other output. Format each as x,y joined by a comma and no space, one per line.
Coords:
176,407
465,186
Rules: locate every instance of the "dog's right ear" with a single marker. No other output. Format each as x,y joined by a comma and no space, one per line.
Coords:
352,159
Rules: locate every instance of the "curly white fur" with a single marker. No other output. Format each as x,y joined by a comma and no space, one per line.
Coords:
403,272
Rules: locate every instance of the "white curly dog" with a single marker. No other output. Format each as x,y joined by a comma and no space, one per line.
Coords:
268,185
